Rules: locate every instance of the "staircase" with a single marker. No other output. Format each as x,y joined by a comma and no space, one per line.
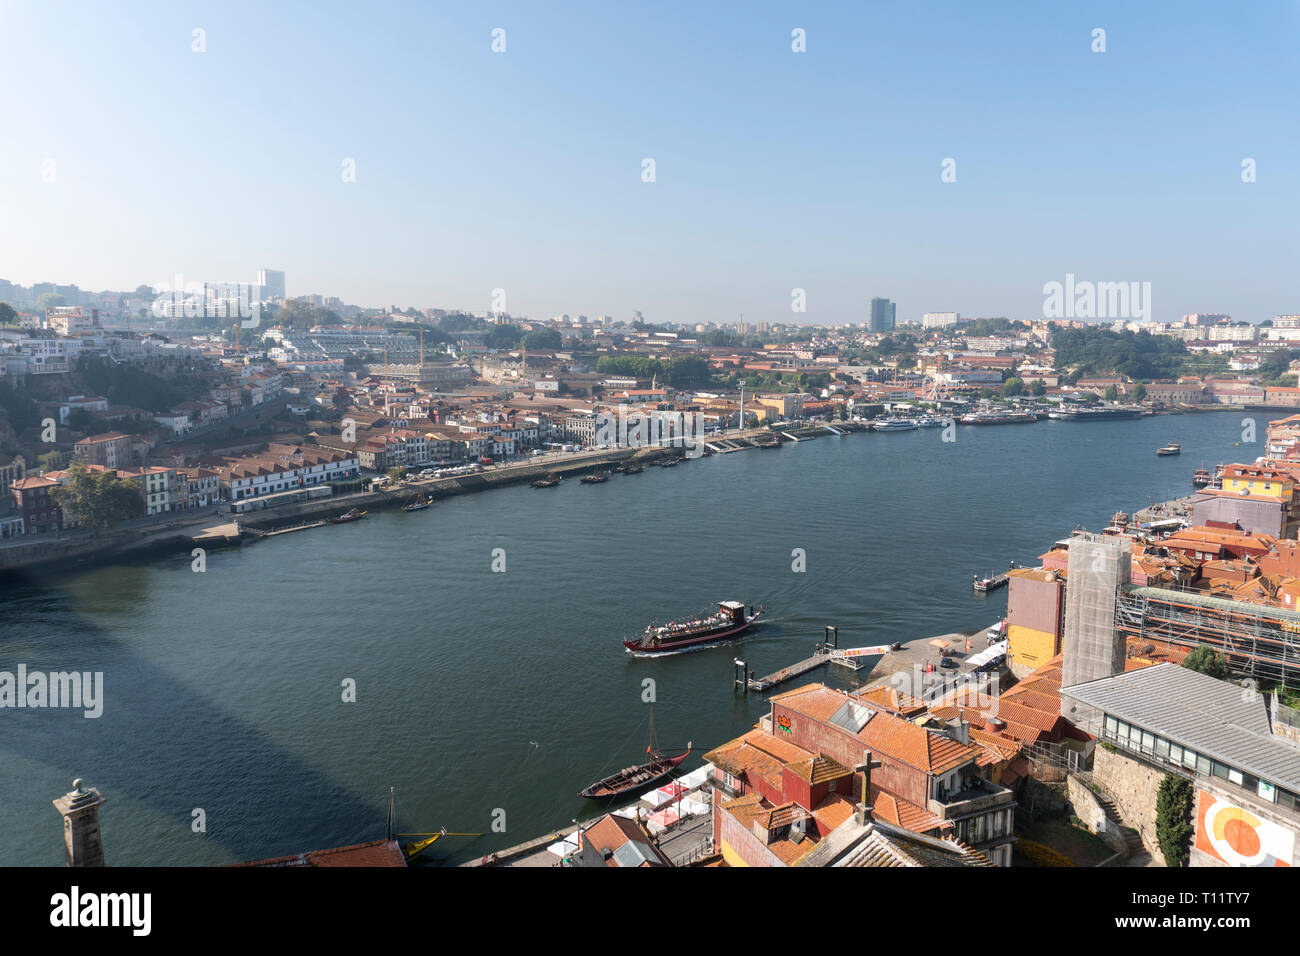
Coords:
1131,838
1132,841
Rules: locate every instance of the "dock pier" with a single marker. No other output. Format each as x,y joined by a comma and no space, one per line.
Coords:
993,582
826,652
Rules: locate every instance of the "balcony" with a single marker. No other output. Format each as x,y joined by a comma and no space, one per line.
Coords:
976,796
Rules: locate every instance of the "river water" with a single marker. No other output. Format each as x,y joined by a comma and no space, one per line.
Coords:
485,695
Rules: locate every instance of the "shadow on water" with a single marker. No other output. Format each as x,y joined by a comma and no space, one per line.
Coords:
185,751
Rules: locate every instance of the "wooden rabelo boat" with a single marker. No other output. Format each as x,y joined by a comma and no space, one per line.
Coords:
641,777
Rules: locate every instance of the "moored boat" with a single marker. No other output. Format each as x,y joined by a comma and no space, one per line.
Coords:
1171,449
547,481
1096,413
352,514
1202,478
894,425
418,505
731,619
998,418
639,777
594,478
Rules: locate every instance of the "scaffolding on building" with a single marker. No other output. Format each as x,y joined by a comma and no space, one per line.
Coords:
1257,641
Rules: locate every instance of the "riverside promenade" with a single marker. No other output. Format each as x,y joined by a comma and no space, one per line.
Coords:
216,526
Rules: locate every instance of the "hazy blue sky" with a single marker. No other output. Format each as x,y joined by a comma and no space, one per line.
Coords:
775,170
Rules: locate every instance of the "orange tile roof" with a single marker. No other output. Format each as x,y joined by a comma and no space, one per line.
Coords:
819,769
834,810
376,853
885,734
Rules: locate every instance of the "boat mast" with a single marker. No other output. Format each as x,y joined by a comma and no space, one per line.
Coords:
390,814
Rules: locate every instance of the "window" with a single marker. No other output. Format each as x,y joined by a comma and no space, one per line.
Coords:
1162,747
1203,766
1112,726
1220,770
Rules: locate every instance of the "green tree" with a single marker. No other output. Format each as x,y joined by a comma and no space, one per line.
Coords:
1011,387
543,340
1139,392
688,370
1204,660
1174,819
99,499
1112,393
7,314
396,474
1037,388
504,336
300,315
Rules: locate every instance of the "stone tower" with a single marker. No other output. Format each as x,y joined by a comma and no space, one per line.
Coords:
80,810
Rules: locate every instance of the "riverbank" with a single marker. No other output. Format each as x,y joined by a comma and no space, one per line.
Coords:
178,531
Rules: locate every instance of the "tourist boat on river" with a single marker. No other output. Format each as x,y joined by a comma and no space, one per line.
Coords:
731,619
418,505
350,515
894,425
1096,413
1171,449
640,777
998,418
547,481
594,478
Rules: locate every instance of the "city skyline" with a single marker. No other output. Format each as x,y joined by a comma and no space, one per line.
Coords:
522,170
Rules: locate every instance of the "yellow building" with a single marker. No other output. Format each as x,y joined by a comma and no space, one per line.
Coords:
1035,618
1255,480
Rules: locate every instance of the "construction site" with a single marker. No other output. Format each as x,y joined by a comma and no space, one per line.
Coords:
1258,641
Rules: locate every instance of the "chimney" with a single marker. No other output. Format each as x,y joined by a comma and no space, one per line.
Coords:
80,809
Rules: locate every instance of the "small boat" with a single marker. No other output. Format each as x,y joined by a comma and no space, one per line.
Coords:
1202,478
633,469
731,619
418,505
1170,449
350,515
668,462
990,583
594,478
640,777
548,481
